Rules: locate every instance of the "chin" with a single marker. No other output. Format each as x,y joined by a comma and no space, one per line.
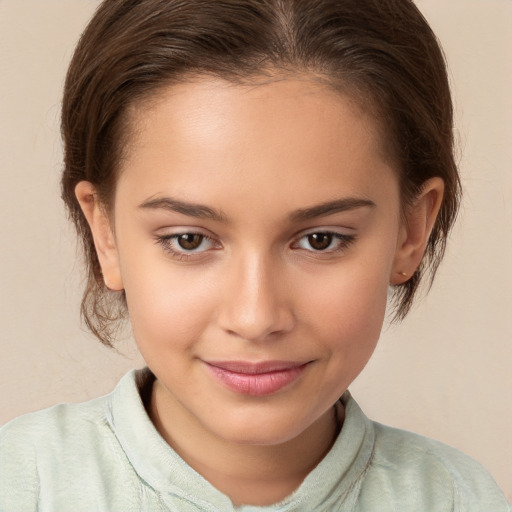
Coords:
262,430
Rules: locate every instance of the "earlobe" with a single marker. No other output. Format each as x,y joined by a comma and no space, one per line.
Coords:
103,235
419,221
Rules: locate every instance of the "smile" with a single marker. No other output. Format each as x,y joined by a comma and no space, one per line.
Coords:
258,379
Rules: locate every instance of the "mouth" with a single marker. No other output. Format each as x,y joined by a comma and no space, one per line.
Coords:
256,379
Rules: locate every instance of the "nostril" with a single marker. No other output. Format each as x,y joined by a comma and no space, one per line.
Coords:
256,323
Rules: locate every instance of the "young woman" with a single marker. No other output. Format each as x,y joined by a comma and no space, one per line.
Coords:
248,179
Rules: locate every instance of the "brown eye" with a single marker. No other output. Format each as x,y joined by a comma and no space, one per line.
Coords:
182,246
190,241
324,243
320,241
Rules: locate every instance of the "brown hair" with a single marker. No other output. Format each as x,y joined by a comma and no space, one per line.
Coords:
382,51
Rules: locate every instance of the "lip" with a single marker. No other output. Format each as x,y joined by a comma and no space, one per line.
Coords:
256,379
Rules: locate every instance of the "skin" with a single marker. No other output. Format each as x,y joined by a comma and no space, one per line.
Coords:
257,288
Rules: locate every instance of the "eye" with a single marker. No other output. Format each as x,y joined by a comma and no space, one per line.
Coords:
183,245
324,242
190,241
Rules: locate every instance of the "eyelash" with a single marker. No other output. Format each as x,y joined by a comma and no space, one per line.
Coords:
343,242
168,242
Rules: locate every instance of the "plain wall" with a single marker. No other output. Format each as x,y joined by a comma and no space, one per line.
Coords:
445,372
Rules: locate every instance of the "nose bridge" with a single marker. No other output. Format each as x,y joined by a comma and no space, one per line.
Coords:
255,304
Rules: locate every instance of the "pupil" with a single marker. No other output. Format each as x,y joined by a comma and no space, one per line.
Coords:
320,241
190,241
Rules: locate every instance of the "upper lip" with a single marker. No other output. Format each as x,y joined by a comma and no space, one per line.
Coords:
250,368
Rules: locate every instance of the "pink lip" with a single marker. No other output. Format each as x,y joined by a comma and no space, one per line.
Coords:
256,379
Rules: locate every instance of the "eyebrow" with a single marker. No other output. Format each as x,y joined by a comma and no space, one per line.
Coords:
331,207
190,209
201,211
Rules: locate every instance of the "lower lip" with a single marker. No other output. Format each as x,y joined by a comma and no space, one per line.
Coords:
256,384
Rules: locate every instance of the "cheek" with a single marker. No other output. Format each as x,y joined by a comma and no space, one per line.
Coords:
344,318
166,308
347,311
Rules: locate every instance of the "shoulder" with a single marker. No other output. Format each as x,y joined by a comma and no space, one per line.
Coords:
75,456
46,444
431,472
88,423
49,428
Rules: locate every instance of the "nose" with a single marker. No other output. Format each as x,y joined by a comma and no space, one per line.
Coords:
256,303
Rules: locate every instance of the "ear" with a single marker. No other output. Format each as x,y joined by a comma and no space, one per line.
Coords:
415,230
103,235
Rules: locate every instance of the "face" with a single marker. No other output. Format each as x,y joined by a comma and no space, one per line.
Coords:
257,229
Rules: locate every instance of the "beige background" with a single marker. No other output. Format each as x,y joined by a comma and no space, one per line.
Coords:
446,372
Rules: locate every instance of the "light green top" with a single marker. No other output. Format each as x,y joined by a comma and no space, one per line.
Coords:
106,456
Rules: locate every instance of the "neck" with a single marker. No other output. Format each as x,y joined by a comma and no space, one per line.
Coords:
248,474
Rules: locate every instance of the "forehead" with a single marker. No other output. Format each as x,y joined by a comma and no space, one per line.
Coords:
211,99
252,136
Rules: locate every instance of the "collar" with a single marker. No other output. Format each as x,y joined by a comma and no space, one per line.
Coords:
333,481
